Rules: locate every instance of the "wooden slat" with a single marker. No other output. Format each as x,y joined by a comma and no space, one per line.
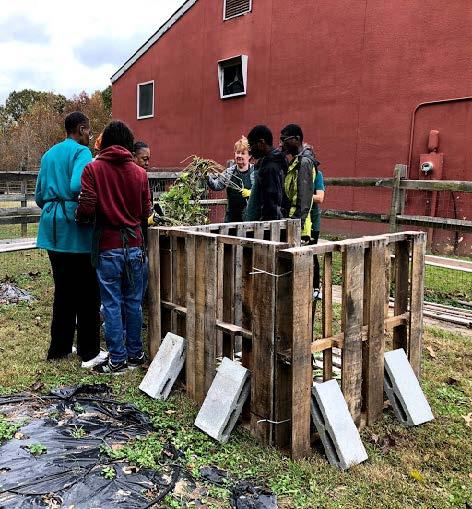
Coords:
275,231
337,341
402,272
259,231
416,302
154,293
351,371
445,223
228,298
302,373
200,290
293,232
437,185
165,262
246,318
234,330
327,313
373,348
283,343
190,358
263,329
211,284
179,310
238,267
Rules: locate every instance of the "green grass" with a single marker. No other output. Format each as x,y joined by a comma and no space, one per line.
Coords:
444,286
422,468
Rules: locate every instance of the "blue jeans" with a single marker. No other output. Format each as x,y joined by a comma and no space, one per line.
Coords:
121,292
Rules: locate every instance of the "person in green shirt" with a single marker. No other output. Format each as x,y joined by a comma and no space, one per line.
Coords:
238,180
318,198
76,294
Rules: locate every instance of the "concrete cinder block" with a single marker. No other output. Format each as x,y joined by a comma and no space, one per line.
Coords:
404,391
224,402
165,367
338,433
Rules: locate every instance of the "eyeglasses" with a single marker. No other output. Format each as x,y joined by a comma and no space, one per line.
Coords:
283,139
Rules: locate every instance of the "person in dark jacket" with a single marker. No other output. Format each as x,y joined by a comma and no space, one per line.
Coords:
238,180
265,203
115,195
298,183
76,295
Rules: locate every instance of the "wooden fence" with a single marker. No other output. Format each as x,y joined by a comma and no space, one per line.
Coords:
251,283
17,186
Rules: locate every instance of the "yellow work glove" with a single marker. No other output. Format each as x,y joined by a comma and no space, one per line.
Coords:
151,220
245,193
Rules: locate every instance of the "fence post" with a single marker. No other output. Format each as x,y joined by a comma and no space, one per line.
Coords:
416,301
24,203
397,196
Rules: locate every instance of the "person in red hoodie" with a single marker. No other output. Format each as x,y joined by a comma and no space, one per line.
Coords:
115,196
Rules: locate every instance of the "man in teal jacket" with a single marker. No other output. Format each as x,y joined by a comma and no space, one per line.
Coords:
76,295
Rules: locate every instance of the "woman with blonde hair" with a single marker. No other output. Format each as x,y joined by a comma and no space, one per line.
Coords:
238,180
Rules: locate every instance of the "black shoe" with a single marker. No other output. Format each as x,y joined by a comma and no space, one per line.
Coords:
108,368
136,362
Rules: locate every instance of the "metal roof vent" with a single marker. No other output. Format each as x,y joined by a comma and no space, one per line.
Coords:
233,8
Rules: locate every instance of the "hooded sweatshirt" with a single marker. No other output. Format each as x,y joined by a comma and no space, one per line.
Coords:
265,203
299,188
115,193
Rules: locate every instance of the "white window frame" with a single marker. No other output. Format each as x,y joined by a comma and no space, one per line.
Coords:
221,66
137,99
236,15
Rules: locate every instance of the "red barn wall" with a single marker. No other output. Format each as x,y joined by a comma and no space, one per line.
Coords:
351,73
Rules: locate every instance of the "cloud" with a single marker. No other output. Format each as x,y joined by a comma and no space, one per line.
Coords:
100,51
22,29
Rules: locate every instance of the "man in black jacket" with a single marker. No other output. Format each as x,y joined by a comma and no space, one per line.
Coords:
266,199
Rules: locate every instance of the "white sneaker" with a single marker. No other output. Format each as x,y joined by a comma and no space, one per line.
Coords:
99,359
74,349
317,294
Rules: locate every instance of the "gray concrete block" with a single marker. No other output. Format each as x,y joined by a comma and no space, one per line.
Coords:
404,391
339,435
165,367
224,402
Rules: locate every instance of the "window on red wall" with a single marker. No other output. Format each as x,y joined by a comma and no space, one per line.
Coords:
145,100
232,76
233,8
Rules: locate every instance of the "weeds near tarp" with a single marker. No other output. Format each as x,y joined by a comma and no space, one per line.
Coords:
77,447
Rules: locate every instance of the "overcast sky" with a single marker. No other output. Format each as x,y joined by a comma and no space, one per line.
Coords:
68,47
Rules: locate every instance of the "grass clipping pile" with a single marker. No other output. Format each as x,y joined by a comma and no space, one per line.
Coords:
181,205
